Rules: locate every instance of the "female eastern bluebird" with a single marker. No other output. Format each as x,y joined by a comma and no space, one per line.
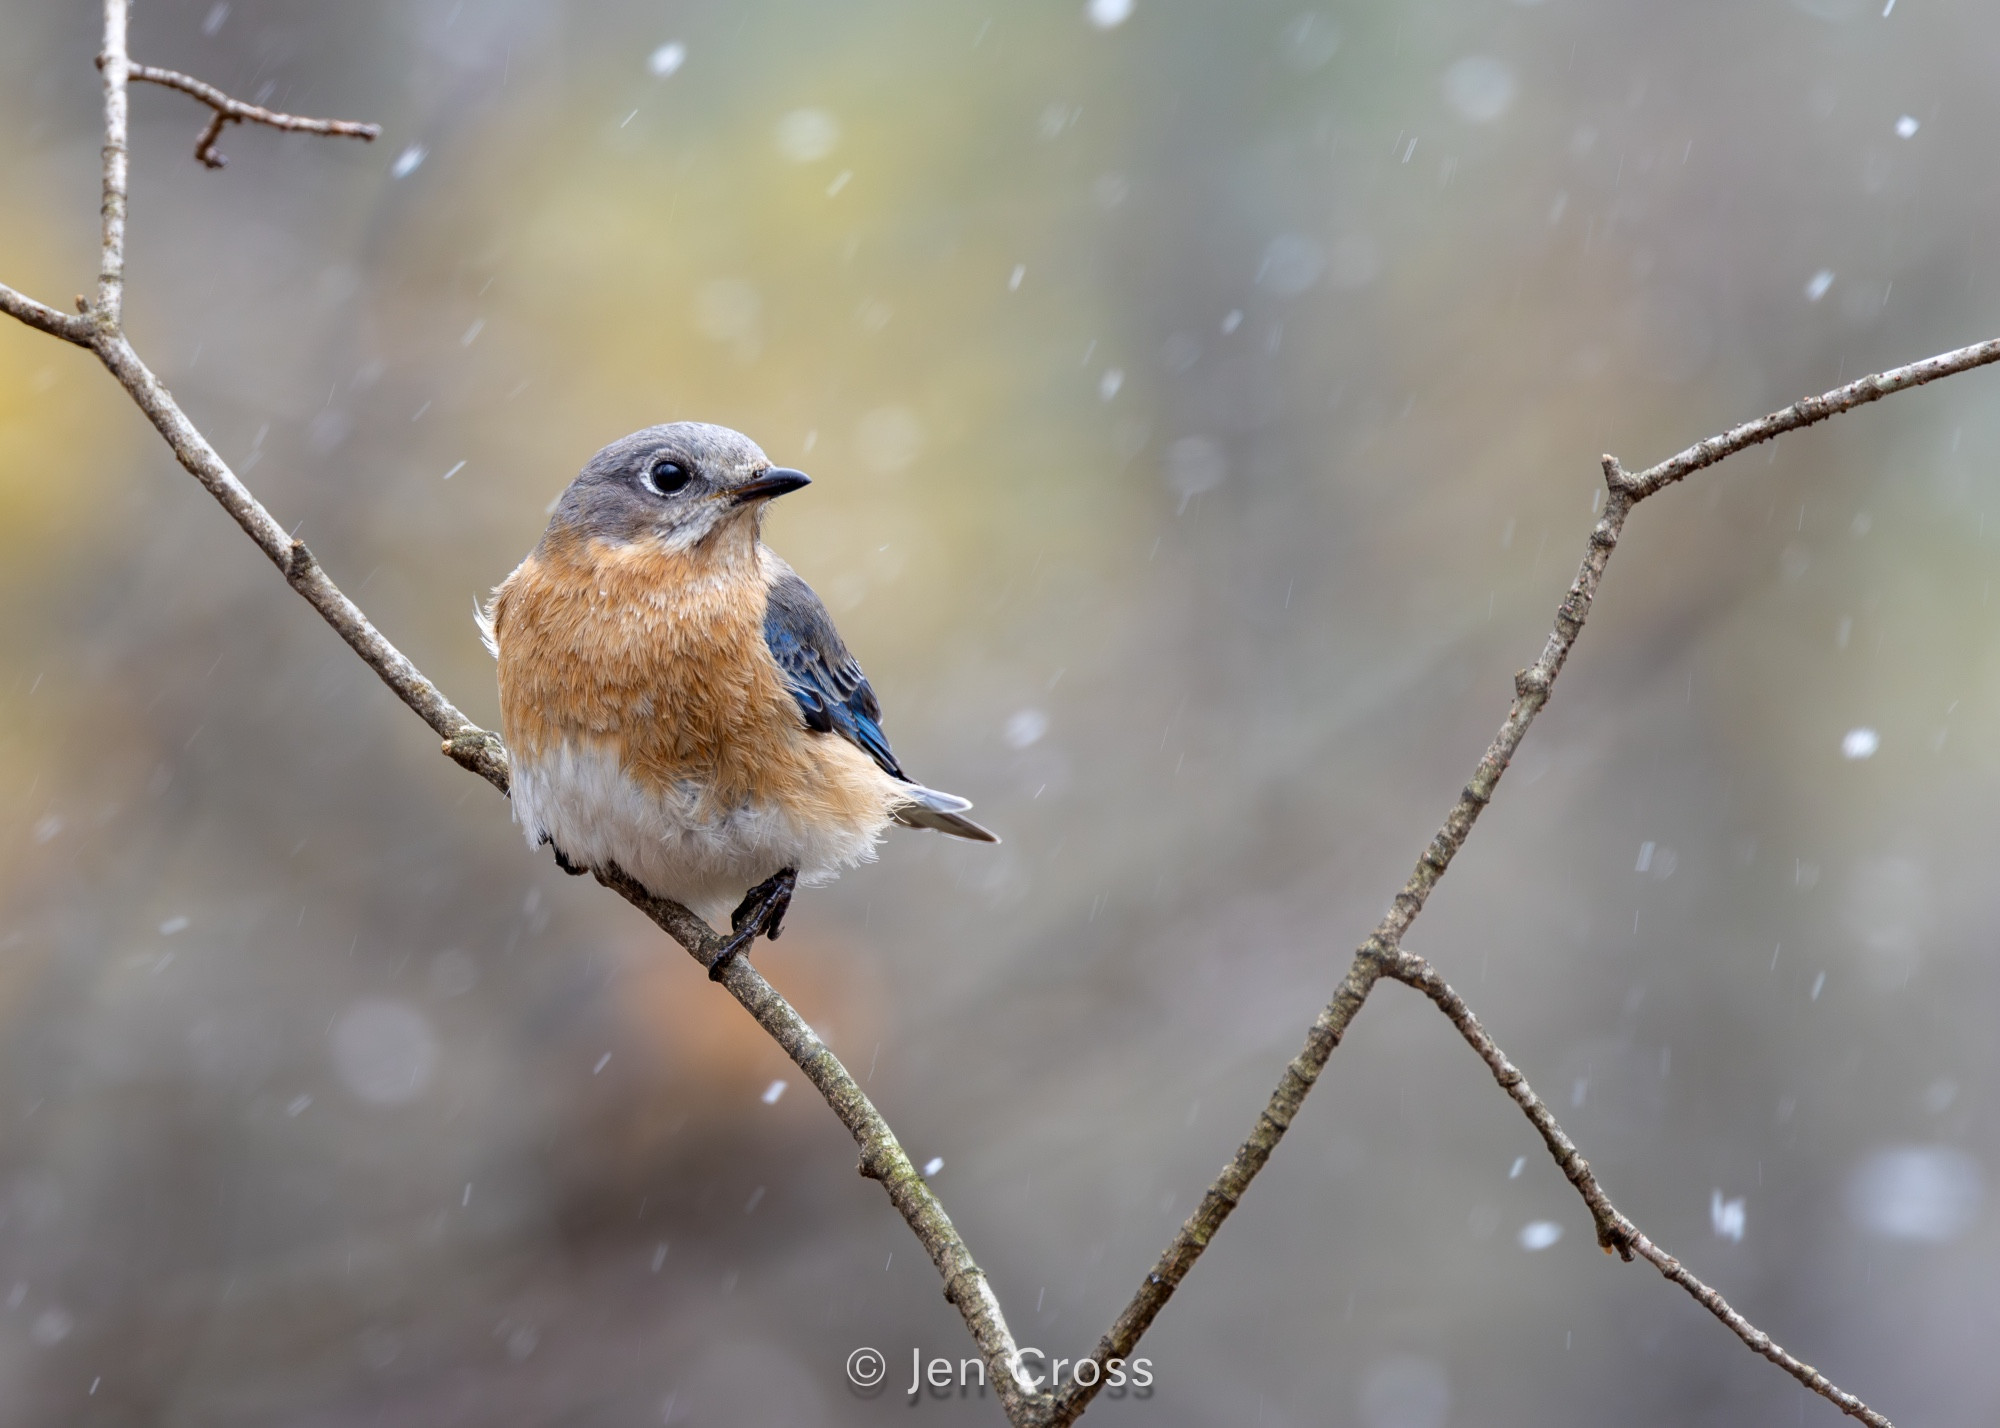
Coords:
678,702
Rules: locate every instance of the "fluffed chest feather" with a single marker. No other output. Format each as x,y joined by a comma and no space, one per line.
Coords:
651,727
648,648
679,840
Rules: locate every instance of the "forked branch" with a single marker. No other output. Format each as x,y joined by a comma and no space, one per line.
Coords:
235,111
882,1156
1371,960
1614,1231
1383,955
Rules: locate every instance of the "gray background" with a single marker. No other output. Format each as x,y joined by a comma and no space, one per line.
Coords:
1213,643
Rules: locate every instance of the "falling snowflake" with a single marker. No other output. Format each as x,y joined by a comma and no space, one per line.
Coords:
1539,1234
1726,1217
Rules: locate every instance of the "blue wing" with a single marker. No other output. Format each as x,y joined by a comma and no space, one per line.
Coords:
832,693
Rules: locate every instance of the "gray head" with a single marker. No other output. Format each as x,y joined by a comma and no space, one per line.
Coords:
680,483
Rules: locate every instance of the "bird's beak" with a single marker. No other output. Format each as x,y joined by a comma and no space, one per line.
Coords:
774,481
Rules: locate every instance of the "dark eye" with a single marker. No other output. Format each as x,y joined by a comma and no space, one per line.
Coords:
663,478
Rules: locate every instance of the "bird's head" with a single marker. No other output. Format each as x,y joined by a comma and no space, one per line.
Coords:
681,484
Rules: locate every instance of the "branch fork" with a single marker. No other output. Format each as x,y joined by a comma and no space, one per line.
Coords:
1618,482
99,326
234,111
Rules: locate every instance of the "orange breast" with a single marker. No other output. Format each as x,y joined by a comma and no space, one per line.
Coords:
661,655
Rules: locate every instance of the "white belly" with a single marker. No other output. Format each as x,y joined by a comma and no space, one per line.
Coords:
582,800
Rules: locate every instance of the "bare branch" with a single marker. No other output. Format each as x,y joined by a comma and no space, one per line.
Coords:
1371,959
1226,1192
1381,954
465,741
882,1155
1614,1230
1811,411
235,111
46,319
110,309
205,152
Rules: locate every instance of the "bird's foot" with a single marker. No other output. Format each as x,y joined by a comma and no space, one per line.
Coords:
767,903
575,870
762,911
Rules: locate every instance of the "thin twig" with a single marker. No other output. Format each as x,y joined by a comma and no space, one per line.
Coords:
1812,411
882,1155
1531,692
109,310
474,747
1226,1192
45,318
235,111
1614,1230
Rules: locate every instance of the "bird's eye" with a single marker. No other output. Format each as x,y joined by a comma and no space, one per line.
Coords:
663,478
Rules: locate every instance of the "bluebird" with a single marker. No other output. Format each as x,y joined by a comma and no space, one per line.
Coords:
677,701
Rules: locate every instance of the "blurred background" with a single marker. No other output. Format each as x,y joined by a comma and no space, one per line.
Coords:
1204,405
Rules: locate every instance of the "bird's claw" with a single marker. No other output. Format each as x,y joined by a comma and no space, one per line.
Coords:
762,911
766,904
